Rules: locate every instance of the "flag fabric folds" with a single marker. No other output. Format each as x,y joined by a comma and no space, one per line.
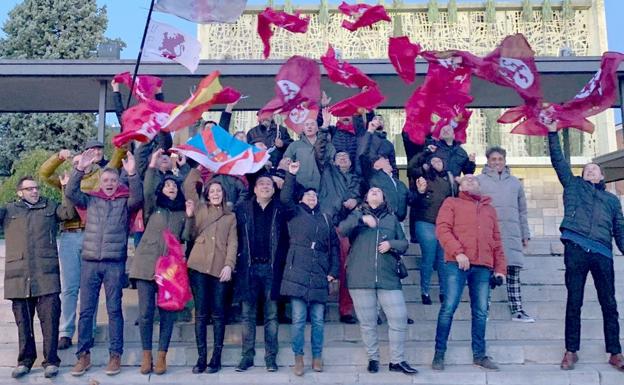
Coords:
298,89
367,100
341,72
203,11
143,121
402,54
366,15
280,19
145,86
218,151
165,43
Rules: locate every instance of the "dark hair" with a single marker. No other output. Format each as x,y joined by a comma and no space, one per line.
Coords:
209,121
23,179
494,149
207,189
383,194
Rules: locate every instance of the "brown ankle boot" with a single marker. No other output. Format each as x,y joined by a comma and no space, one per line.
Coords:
114,365
146,364
317,364
161,363
298,368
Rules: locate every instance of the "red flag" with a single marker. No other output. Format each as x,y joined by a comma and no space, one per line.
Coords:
298,81
442,99
367,100
343,73
601,90
512,64
296,118
143,121
366,15
402,54
280,19
145,86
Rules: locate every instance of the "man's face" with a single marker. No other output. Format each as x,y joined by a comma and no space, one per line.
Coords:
170,189
497,162
379,121
29,191
264,188
310,128
266,122
447,133
374,196
164,163
109,182
592,173
342,160
98,153
470,184
310,199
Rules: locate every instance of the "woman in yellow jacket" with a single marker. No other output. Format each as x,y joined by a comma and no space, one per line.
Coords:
211,262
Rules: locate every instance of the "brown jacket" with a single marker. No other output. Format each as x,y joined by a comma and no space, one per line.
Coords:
213,230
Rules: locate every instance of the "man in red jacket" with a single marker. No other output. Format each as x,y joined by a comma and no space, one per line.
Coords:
467,229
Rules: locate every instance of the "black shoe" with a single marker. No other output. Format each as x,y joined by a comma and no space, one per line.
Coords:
284,319
215,364
379,321
64,343
441,298
403,366
348,319
410,321
244,364
373,366
271,365
438,362
199,367
426,300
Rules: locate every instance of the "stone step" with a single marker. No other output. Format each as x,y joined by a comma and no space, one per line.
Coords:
346,354
585,374
547,330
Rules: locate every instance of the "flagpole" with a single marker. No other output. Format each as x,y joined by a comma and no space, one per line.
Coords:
138,62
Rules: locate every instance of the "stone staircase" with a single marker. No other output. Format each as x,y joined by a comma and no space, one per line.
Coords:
528,353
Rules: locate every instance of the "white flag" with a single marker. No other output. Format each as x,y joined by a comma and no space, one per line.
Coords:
204,11
164,43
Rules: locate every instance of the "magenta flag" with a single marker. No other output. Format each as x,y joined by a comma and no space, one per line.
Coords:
280,19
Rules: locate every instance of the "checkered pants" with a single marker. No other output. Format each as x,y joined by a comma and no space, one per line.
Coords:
513,289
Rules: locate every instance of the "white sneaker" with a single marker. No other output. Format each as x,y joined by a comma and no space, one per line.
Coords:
521,316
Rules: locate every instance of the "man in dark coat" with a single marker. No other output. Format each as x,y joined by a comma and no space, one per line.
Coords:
272,135
455,158
32,277
263,242
374,143
592,219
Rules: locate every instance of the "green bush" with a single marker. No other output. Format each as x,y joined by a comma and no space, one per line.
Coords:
28,164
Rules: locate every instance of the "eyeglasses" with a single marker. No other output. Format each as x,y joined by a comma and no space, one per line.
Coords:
30,189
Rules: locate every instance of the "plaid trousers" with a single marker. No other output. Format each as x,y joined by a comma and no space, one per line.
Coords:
513,289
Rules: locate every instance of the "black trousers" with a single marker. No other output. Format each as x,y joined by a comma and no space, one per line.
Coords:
207,291
579,263
48,308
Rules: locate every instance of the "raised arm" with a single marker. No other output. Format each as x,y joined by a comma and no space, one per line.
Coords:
73,192
192,180
288,190
48,168
135,184
562,168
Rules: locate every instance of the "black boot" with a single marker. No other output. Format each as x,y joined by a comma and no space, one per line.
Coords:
215,362
202,349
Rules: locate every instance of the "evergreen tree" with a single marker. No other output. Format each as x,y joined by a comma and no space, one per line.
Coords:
49,29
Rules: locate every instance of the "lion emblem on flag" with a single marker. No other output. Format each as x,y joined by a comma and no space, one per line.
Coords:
172,46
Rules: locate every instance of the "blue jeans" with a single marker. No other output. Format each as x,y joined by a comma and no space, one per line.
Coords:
432,255
300,310
93,275
260,283
478,279
70,249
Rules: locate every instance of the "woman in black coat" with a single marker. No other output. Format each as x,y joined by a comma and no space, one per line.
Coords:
311,264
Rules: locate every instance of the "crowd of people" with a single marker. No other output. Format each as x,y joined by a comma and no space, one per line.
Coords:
325,214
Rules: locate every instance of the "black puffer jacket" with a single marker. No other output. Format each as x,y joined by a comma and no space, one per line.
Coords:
313,251
589,210
373,145
454,157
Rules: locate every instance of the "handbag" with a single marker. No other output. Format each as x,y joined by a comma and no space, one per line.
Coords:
171,276
401,269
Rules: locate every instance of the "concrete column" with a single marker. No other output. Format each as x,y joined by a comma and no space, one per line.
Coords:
102,110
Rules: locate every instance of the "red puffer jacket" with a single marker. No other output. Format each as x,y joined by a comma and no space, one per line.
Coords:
468,225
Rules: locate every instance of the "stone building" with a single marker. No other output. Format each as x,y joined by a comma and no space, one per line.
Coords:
553,28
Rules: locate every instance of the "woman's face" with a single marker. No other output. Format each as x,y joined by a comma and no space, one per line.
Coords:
374,197
310,199
215,194
437,164
170,189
